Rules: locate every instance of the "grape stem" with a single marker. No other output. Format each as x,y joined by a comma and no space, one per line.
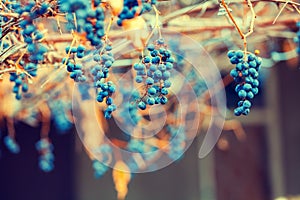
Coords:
46,118
251,28
157,13
286,3
64,64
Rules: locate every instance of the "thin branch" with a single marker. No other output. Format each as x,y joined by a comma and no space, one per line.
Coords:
280,11
232,19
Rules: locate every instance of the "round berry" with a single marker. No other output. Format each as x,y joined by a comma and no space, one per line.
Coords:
142,105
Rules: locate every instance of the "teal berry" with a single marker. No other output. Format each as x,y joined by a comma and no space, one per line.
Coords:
234,60
151,47
255,91
246,111
247,104
250,95
150,101
164,91
242,94
234,73
238,111
239,66
139,79
149,81
166,75
167,84
239,54
169,66
255,83
147,59
80,54
247,87
163,100
230,54
142,105
152,91
152,68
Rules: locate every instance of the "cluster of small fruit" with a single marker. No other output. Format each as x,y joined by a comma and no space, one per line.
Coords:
105,89
75,68
297,39
20,81
179,55
59,109
1,24
146,150
177,142
198,83
32,36
82,16
154,72
245,75
131,8
11,144
104,152
46,159
136,145
128,110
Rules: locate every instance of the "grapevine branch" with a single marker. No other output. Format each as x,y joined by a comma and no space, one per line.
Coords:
280,11
157,13
243,36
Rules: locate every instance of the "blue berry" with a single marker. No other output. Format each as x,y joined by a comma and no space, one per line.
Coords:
152,91
142,105
242,94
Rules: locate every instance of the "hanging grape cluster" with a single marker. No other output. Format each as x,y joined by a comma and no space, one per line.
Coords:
11,144
131,8
153,71
245,75
297,39
46,159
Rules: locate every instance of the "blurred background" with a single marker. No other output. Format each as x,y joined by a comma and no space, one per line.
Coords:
263,166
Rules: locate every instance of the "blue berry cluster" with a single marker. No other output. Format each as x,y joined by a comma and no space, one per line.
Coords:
297,39
84,91
46,159
179,56
88,20
99,169
32,37
131,7
1,25
32,9
154,72
129,111
105,89
245,75
146,150
95,31
79,7
198,83
31,34
104,152
20,82
136,145
75,68
177,142
59,110
11,144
